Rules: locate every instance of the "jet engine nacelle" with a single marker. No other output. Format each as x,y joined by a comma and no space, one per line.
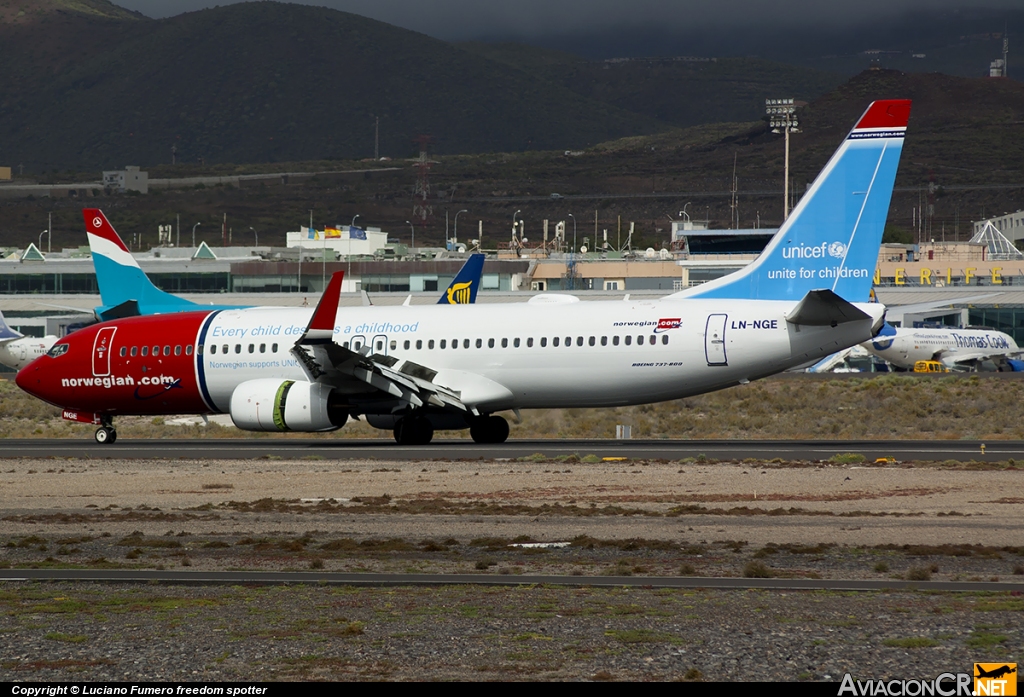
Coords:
286,405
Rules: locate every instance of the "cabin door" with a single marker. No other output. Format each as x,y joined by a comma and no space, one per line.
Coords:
101,348
714,340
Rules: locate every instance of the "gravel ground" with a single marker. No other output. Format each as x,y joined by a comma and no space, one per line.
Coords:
69,631
805,520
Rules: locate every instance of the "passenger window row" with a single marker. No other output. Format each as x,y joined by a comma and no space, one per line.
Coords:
178,350
226,348
543,342
155,350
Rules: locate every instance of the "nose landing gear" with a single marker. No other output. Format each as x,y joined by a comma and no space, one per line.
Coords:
105,434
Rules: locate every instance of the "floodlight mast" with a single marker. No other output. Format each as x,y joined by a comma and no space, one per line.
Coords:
782,115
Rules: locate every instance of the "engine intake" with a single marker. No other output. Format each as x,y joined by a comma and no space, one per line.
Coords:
287,405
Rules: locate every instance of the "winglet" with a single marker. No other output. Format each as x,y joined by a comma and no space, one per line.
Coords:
321,324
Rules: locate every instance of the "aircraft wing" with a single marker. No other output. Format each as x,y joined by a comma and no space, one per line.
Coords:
965,359
325,361
952,359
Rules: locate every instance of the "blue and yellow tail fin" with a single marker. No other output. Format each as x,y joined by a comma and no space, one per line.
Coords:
466,283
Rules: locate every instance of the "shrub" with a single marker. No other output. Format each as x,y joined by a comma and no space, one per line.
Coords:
757,569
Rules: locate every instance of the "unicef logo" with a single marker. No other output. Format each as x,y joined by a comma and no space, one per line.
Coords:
837,250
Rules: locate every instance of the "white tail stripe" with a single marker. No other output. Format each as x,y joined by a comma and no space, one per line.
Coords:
104,247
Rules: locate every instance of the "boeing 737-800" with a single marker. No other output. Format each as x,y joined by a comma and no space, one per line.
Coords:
414,369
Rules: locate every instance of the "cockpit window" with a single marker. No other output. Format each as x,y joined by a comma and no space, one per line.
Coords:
57,350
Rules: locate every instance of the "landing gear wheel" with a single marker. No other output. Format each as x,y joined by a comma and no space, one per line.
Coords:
489,429
105,435
413,430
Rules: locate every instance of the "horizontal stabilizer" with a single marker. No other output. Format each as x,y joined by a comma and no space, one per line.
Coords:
129,308
823,308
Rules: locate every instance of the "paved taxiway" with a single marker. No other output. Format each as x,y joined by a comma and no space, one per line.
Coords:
345,579
293,448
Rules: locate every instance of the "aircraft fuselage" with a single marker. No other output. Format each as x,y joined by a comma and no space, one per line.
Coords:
517,355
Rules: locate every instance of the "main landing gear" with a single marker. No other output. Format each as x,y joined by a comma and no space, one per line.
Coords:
489,429
413,430
105,434
417,430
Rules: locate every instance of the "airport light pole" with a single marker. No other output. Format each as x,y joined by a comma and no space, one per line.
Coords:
455,235
194,234
44,232
256,235
573,232
412,245
782,115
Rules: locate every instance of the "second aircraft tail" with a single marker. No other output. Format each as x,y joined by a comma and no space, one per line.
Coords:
125,289
464,286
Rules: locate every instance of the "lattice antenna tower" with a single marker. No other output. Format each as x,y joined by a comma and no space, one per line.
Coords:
421,208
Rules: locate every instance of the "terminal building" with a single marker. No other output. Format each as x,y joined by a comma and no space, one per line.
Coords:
975,283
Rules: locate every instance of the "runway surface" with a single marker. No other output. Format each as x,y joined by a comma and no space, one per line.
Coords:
381,449
366,579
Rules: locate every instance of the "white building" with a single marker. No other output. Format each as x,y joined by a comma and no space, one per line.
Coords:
128,179
1010,224
344,241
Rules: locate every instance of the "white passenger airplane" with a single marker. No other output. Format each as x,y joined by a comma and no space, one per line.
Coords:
958,349
414,369
18,350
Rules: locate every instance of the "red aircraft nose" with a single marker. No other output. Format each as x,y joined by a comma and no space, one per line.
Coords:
31,379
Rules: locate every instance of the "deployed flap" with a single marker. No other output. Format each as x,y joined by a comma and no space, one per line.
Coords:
823,308
409,382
